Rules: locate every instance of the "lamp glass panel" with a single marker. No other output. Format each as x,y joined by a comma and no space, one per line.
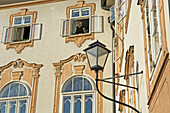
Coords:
102,55
92,56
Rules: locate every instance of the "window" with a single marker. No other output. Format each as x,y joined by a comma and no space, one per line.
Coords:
14,98
21,28
153,34
81,22
78,96
121,9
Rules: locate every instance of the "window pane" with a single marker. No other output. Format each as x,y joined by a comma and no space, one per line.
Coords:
22,107
17,20
68,86
27,19
75,13
20,33
85,12
12,107
120,2
4,92
79,26
67,104
77,104
2,107
88,103
87,85
23,91
14,90
78,82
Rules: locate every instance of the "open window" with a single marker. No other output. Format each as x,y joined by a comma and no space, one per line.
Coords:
21,33
153,34
81,23
22,30
118,48
121,7
81,26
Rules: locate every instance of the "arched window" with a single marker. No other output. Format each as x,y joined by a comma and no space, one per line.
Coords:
14,98
78,96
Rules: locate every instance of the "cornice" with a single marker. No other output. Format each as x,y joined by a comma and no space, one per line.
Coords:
19,64
77,58
30,3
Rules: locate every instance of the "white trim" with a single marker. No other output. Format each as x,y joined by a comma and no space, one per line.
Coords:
22,20
80,12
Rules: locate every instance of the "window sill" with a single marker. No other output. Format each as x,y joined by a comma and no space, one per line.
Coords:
20,42
19,46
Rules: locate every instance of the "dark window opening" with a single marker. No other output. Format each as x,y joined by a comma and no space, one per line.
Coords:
20,33
79,26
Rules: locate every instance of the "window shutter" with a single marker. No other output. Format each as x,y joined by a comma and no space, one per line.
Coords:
64,28
36,31
5,34
96,24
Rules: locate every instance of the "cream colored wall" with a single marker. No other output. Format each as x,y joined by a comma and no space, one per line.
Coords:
134,37
52,48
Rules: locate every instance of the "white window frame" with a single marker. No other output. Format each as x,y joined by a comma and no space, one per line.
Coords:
22,20
123,6
80,17
36,36
82,93
80,12
155,57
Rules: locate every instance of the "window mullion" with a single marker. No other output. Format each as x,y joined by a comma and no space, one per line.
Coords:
83,104
17,106
22,21
72,104
80,12
8,107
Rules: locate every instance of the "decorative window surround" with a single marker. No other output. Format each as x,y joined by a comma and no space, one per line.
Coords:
19,46
79,39
130,80
122,108
29,75
64,72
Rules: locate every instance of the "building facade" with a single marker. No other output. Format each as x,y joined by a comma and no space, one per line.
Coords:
141,42
43,68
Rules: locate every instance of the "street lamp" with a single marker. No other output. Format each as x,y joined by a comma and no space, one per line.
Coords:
97,55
